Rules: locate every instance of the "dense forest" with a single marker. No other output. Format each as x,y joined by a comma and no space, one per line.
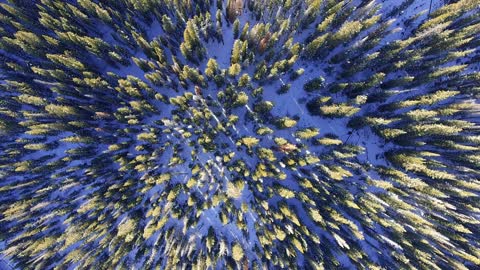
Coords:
239,134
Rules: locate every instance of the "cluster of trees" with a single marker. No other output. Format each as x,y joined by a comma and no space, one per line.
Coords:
126,142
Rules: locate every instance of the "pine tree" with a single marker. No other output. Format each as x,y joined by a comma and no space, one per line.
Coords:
241,99
167,24
248,141
338,110
67,60
191,46
260,72
236,52
61,110
307,133
236,28
315,84
313,48
91,107
234,70
244,80
212,68
347,31
244,34
263,107
29,42
285,122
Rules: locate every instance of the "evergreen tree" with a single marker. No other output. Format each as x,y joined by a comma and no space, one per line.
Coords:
285,122
191,46
97,105
212,68
236,28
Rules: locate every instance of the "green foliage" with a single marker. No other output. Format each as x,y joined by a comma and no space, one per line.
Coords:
234,70
193,75
297,73
429,99
265,153
67,60
61,110
36,146
212,67
191,46
241,99
284,88
236,28
33,100
338,110
261,72
167,24
346,31
314,47
264,131
285,122
147,136
329,141
390,133
307,133
237,252
434,129
315,84
263,106
119,106
248,141
126,229
244,80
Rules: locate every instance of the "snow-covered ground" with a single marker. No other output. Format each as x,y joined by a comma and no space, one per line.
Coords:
358,216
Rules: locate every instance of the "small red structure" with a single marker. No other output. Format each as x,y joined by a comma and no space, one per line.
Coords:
198,90
262,45
286,148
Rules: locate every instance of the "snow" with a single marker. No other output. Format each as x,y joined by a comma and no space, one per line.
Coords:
5,263
215,175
